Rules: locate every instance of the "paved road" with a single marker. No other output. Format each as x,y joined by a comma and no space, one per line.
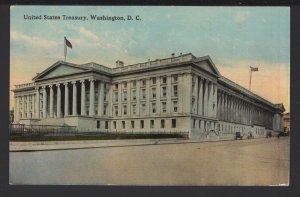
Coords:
243,162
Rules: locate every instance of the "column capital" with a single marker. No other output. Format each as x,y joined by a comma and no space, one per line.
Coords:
92,80
50,86
73,82
44,87
57,85
37,88
82,81
66,83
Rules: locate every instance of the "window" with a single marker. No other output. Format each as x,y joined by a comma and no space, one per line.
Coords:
173,123
162,123
134,109
132,124
164,79
151,123
98,124
125,95
104,96
153,80
116,97
125,84
144,108
144,82
106,124
175,106
153,92
125,109
164,107
175,78
116,110
123,124
133,84
116,86
164,91
144,93
194,123
115,124
134,94
153,107
175,90
142,124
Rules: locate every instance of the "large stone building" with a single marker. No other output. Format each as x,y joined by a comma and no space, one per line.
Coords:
180,93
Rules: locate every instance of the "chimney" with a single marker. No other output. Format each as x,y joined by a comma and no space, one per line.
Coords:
180,54
119,64
173,54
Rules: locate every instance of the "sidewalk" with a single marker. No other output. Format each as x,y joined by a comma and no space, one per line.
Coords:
63,145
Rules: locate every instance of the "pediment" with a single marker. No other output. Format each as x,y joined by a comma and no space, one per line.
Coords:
206,64
59,69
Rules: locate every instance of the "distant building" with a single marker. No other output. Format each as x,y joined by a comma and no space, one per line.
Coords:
179,93
286,122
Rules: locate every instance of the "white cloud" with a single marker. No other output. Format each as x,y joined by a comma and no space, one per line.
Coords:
88,34
241,17
32,40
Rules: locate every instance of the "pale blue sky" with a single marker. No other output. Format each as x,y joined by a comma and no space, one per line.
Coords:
234,37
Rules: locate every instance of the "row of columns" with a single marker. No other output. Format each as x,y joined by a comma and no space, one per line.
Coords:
19,101
233,109
204,96
74,99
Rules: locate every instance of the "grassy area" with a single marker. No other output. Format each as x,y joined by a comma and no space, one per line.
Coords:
93,137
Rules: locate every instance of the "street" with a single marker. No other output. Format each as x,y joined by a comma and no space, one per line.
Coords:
241,162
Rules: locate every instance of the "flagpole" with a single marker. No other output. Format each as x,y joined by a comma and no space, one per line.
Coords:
250,78
65,48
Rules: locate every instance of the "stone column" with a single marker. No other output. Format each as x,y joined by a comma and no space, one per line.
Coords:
23,107
195,94
148,92
129,97
215,96
169,93
66,99
15,108
51,101
83,111
28,106
158,95
205,105
120,98
101,98
37,104
44,102
74,101
92,98
200,97
58,106
138,102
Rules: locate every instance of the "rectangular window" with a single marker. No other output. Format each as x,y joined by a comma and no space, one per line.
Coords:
164,107
144,108
151,123
142,124
134,109
153,80
116,86
133,94
153,107
144,82
123,124
104,96
173,123
162,123
116,97
175,90
134,84
194,123
115,124
153,92
125,95
106,124
175,78
116,111
164,79
132,124
125,109
144,93
125,84
164,89
175,106
104,110
98,124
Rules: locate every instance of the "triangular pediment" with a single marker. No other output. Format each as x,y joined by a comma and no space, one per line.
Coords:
59,69
206,64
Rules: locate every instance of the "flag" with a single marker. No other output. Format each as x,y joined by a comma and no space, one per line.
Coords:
254,68
67,43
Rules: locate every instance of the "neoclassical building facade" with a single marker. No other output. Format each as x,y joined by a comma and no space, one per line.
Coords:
180,93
